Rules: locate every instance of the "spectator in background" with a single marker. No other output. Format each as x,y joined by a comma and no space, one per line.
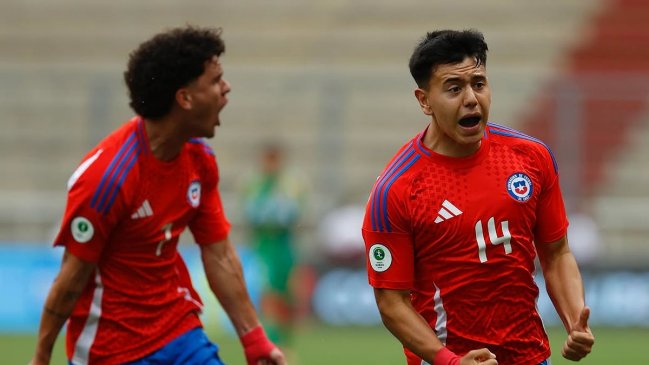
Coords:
455,221
273,204
122,284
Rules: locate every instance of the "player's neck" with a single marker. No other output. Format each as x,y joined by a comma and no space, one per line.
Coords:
164,140
439,142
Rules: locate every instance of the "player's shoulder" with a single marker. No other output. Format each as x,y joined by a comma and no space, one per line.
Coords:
520,141
201,153
199,148
106,167
203,159
510,136
401,168
386,207
403,161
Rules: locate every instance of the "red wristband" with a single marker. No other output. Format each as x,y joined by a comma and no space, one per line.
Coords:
446,357
256,345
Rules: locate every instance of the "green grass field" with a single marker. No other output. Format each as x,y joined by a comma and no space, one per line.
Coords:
320,345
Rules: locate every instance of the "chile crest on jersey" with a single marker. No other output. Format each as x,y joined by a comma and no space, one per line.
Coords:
519,187
194,193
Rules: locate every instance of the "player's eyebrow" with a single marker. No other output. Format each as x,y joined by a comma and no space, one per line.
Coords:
478,77
460,80
453,79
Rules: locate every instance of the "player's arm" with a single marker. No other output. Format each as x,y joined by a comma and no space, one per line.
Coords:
225,277
565,288
62,297
403,321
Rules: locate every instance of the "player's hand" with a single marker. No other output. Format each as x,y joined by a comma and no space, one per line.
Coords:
580,339
479,357
259,350
476,357
276,357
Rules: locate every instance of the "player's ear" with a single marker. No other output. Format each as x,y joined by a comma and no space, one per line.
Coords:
184,98
422,98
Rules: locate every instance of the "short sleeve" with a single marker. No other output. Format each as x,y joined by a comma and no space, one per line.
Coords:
389,245
94,205
210,224
552,222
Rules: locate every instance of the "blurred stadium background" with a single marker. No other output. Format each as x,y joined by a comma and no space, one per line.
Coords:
329,80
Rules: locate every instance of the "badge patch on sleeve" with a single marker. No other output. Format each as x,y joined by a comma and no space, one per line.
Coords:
194,193
380,257
82,229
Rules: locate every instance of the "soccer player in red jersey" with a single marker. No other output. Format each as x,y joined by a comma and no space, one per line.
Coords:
456,219
122,284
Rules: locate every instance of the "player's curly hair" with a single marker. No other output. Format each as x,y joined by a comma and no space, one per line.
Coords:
445,47
166,63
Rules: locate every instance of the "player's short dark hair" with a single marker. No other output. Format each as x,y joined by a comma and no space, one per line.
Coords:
166,63
445,47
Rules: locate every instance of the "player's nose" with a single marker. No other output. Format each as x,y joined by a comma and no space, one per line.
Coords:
470,98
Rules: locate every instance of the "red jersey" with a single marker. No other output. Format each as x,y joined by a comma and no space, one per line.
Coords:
125,212
459,233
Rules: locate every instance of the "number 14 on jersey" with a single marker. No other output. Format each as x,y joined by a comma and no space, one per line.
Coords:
493,237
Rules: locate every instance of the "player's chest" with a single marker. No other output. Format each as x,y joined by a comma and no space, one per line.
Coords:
449,203
162,206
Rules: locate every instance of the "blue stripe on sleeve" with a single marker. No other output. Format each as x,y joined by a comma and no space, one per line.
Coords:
206,148
422,148
385,193
109,170
376,199
133,157
114,176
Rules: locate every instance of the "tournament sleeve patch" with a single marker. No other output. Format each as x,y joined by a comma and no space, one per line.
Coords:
380,257
82,229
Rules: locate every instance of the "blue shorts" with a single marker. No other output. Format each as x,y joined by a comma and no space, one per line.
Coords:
191,348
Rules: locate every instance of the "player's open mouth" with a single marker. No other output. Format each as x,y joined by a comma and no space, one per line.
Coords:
469,122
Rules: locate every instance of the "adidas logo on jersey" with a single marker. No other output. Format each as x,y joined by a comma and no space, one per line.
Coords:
143,211
447,211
